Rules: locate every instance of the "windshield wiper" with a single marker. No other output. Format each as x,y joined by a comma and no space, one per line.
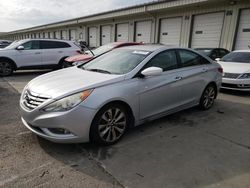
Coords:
99,70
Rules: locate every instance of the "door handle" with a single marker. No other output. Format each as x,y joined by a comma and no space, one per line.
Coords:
178,78
60,51
38,53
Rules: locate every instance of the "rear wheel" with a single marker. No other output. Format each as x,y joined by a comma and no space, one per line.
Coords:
65,64
6,68
109,125
208,97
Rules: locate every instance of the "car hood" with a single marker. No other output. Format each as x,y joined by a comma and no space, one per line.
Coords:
81,57
70,80
233,67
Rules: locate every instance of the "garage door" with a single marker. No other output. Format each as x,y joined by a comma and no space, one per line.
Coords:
72,34
64,34
207,30
122,32
57,34
105,34
243,35
170,31
92,36
143,31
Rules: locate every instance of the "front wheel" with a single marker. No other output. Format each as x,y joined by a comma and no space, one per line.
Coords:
208,97
109,125
6,68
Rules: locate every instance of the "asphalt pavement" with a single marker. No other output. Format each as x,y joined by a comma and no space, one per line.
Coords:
188,149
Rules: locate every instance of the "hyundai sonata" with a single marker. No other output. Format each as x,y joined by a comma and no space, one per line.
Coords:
100,100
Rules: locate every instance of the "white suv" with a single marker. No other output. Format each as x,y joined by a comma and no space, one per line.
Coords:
35,53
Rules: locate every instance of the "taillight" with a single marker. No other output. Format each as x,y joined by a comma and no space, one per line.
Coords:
220,70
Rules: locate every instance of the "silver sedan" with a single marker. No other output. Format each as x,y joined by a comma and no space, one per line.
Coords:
100,100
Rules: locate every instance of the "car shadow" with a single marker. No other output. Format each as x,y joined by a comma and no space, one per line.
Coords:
77,155
182,142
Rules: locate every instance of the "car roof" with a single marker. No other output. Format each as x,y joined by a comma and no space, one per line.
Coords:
59,40
149,47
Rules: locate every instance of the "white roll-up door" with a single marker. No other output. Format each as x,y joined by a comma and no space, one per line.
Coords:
92,36
207,30
72,34
143,31
243,35
64,35
58,35
106,34
122,32
46,35
170,31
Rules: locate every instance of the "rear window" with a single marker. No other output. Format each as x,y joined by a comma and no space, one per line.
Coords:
240,57
53,44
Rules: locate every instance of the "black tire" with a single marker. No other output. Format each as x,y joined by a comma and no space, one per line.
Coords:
109,131
6,68
65,64
208,97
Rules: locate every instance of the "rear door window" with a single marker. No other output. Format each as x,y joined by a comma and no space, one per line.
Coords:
54,44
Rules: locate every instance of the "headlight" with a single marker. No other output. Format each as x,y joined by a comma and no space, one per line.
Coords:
68,102
245,76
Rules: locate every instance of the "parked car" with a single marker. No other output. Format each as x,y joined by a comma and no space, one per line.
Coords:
5,43
128,86
236,67
213,53
35,53
90,54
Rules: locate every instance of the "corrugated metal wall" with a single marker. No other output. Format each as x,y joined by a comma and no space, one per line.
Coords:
154,12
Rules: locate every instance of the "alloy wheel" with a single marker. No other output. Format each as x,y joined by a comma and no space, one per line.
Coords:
209,96
5,68
112,125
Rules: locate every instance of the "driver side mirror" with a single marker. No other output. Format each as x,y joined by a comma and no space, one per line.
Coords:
217,59
152,71
20,48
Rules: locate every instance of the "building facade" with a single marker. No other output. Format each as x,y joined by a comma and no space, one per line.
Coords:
185,23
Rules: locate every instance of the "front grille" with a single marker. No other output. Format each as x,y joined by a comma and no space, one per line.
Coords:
32,100
231,75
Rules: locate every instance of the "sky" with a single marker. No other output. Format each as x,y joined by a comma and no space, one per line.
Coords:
19,14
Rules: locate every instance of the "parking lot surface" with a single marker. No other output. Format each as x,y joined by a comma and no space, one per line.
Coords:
188,149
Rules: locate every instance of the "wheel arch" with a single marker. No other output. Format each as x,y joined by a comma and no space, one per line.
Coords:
61,61
213,83
126,105
9,60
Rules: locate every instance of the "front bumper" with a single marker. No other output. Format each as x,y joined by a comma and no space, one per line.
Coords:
76,122
236,84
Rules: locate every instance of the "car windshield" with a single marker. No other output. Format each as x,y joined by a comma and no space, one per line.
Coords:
204,51
240,57
103,49
119,61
